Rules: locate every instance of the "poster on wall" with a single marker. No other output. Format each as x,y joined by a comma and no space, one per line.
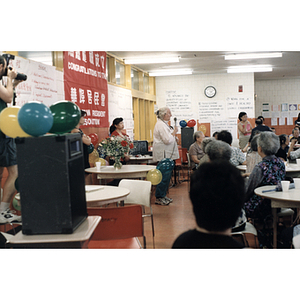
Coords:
40,84
230,125
284,107
235,105
85,84
180,104
211,110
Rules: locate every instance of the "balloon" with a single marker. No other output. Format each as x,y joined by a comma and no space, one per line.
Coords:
66,116
191,123
35,118
165,165
202,128
93,157
16,202
17,184
182,123
154,176
94,138
9,124
102,160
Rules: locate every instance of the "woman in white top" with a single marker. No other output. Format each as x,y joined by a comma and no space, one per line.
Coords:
164,146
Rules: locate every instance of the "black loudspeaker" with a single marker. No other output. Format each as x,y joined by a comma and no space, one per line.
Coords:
51,183
187,137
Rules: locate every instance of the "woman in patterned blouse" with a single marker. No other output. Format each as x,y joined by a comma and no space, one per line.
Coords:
269,171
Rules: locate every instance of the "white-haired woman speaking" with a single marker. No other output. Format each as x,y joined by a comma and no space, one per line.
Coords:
164,146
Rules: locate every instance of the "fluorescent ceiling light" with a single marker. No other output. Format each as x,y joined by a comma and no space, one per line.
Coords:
151,60
248,69
252,55
170,73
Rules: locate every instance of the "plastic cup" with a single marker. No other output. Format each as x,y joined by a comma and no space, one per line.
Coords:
98,165
298,161
285,184
297,183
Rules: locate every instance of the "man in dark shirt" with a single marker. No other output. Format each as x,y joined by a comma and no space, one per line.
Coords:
217,193
259,127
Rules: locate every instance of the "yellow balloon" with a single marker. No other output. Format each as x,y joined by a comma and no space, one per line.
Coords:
202,128
102,160
93,157
9,123
154,176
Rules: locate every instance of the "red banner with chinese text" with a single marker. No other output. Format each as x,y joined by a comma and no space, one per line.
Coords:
85,84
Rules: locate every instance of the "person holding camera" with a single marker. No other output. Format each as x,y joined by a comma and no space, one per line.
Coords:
8,152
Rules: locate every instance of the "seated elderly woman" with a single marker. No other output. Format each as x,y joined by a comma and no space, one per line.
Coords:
218,150
205,142
252,157
269,171
195,150
237,156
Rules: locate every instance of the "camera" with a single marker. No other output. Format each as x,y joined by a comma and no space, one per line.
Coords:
9,57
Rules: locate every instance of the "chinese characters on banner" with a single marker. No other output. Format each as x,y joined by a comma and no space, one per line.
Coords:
85,84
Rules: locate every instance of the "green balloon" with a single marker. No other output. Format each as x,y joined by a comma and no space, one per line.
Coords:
16,204
66,116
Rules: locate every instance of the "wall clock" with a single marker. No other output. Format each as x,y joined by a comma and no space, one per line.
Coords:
210,91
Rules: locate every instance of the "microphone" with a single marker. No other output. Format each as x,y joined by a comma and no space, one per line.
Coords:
175,120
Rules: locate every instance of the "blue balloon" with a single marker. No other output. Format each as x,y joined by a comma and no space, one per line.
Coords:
35,118
165,165
183,123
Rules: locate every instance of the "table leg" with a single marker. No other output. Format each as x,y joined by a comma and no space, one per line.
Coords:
274,213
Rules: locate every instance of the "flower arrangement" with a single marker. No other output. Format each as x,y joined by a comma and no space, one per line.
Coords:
115,147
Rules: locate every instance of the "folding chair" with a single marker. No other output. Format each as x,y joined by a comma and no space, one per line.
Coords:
118,229
243,236
140,193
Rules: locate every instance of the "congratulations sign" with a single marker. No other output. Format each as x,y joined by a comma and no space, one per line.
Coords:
85,84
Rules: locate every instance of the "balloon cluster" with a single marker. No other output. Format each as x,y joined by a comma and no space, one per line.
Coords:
36,119
165,166
190,123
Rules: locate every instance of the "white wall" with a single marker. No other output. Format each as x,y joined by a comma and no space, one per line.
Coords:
226,85
276,92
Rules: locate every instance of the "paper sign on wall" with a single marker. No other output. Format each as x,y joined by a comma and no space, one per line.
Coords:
230,125
180,104
234,105
211,110
40,84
